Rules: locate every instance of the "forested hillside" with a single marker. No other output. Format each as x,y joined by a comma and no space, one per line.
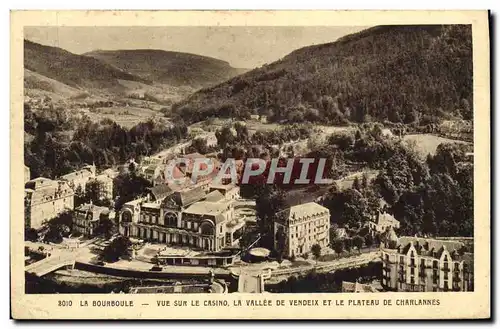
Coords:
169,67
408,74
71,69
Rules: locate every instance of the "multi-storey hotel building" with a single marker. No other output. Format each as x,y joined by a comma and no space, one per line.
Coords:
302,226
422,264
44,199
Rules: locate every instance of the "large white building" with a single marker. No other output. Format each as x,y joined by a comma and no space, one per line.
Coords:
80,178
189,217
302,226
44,199
422,264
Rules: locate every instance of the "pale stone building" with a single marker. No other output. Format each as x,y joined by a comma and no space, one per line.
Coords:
81,177
302,226
422,264
44,199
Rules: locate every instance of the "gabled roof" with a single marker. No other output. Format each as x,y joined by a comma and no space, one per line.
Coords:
186,197
161,191
82,173
214,196
306,209
96,211
426,246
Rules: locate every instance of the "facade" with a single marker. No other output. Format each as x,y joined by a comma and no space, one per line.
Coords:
421,264
382,222
210,139
86,218
154,173
302,226
81,177
183,217
44,199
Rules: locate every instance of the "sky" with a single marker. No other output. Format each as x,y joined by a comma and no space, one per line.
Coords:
242,46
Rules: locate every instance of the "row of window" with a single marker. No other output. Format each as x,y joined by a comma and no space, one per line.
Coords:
308,219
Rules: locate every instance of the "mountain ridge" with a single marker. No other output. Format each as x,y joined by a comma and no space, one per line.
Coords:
170,67
384,73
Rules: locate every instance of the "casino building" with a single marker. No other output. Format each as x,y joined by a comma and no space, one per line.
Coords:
423,264
189,217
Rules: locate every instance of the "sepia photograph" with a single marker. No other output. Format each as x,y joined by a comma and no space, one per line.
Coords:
277,160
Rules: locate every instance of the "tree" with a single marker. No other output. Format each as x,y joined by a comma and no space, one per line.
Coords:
241,132
93,191
338,246
355,184
225,137
199,145
358,242
79,196
30,234
118,248
369,240
105,227
348,244
316,251
268,204
129,186
280,239
59,227
364,181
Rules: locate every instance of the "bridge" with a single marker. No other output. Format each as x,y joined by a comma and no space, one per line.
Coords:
50,264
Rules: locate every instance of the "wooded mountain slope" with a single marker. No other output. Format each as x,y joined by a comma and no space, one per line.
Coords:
71,69
409,74
174,68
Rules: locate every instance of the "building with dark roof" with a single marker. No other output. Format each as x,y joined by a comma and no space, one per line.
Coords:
186,217
424,264
86,218
160,192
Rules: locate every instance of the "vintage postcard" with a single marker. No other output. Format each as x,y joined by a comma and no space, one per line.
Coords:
250,165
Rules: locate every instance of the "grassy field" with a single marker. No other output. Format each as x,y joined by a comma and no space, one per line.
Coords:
427,143
127,117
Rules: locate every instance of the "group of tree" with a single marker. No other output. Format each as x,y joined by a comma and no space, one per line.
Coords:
239,135
127,186
118,248
403,74
357,242
58,227
326,282
432,197
57,142
91,193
